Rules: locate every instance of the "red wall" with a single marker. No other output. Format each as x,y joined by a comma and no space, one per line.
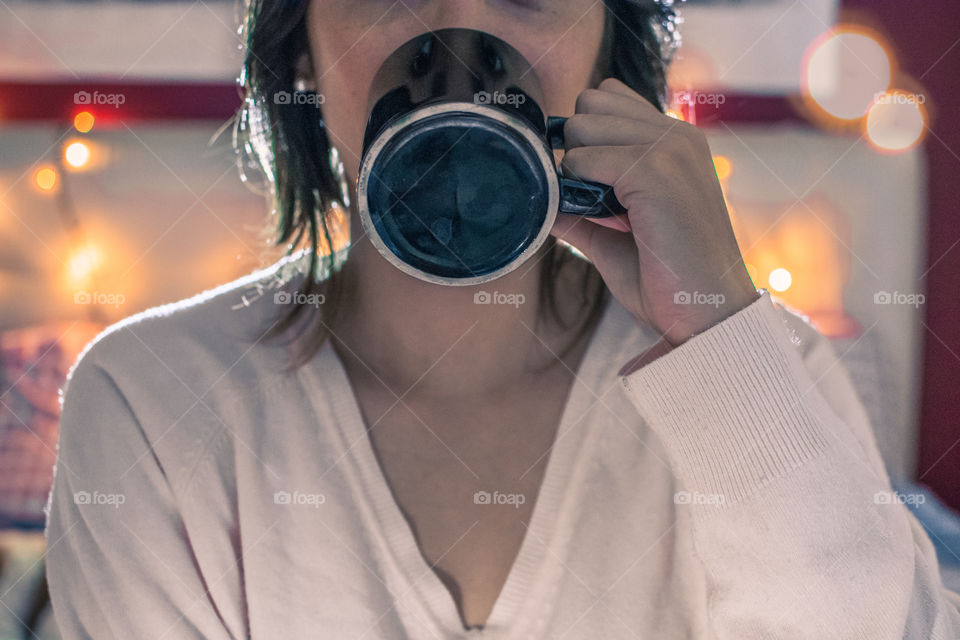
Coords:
926,36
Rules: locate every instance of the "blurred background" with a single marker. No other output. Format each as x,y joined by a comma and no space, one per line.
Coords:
830,123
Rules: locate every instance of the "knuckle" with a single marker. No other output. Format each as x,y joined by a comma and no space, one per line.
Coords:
573,159
609,83
690,137
575,127
588,100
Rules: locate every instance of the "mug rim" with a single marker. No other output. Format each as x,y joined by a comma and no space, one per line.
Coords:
539,147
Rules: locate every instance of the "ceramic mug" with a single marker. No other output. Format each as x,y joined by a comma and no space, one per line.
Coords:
458,184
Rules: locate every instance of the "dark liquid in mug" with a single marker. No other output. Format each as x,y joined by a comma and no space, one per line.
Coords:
458,200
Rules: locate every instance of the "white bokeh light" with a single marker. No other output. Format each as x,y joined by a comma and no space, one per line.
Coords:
896,121
780,279
845,71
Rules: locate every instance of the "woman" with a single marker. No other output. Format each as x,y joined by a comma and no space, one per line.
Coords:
680,459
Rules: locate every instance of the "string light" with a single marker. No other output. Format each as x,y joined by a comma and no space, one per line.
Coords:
723,166
83,262
780,279
46,179
77,154
83,121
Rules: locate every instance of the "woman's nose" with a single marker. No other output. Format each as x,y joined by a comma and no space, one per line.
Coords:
455,64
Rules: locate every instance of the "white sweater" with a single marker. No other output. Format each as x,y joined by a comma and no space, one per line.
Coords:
730,488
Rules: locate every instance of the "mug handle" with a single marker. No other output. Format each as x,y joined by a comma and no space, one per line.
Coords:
582,197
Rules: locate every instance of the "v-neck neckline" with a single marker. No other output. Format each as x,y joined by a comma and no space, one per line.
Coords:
390,526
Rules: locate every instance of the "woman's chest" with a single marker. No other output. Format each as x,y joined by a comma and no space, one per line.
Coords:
466,478
339,560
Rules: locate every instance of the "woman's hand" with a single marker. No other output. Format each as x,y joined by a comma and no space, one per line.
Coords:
673,259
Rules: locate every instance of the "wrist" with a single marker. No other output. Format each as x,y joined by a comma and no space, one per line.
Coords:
681,334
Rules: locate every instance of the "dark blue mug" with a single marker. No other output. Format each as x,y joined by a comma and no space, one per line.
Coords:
458,184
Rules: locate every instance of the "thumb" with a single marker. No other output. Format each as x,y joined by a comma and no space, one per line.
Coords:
612,252
589,234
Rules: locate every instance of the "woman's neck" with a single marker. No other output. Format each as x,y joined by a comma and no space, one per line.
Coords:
436,342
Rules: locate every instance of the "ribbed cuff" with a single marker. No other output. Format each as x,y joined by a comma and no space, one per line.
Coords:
734,405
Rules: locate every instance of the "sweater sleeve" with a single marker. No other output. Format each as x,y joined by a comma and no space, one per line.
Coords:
793,516
119,563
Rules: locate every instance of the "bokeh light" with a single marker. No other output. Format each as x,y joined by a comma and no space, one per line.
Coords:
845,70
83,262
724,167
780,279
46,179
83,121
896,121
77,154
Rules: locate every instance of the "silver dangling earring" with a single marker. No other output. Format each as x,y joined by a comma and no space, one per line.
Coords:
302,85
340,175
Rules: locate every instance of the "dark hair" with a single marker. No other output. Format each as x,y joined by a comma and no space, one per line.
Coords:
287,142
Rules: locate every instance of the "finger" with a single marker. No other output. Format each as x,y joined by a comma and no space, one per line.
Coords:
605,102
588,129
618,223
606,165
618,86
614,253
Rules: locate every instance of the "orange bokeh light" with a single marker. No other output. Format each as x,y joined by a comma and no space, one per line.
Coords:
46,179
724,167
83,121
